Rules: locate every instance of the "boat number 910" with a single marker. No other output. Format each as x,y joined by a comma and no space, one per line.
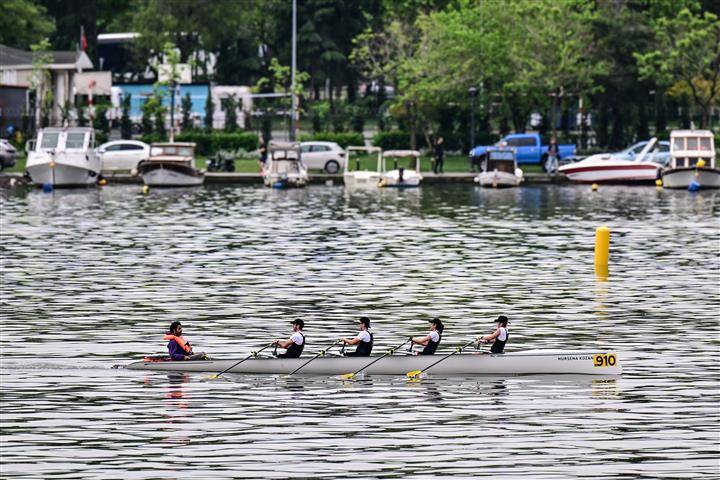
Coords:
604,360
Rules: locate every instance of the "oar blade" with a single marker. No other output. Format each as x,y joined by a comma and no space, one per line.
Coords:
347,376
414,374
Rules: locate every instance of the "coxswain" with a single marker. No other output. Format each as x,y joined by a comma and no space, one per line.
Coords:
431,340
363,340
499,337
178,346
295,344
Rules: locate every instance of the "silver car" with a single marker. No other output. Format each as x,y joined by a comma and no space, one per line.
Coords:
327,156
8,154
122,154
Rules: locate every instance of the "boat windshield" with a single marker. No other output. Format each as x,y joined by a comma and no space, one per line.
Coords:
500,165
75,140
286,166
49,139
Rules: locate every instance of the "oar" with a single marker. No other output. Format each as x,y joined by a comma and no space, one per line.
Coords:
321,352
416,373
253,354
350,376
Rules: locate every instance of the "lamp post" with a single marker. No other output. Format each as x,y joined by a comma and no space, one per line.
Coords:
293,109
473,92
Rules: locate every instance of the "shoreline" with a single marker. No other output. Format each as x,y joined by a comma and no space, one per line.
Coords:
223,178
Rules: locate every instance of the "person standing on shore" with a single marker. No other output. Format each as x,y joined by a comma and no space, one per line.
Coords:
439,156
553,156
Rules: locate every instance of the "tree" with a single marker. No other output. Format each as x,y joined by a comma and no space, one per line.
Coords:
209,111
687,58
24,23
187,123
125,123
229,105
40,81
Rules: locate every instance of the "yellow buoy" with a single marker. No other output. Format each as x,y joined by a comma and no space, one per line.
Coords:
102,182
658,182
602,251
594,187
700,163
145,189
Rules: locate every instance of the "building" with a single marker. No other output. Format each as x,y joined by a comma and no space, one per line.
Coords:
16,69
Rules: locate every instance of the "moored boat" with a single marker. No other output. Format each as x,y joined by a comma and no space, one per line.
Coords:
400,177
284,167
610,168
171,165
692,163
362,178
499,169
63,157
596,362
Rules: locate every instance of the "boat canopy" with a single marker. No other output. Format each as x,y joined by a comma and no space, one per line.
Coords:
278,150
368,150
689,146
414,155
172,150
60,139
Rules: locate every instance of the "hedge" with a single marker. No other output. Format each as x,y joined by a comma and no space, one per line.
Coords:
344,139
393,140
207,143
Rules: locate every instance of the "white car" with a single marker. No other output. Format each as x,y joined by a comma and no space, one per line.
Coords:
122,154
328,156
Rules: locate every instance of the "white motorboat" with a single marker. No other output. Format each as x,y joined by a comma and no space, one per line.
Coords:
171,165
609,168
598,362
500,169
400,177
692,163
284,167
63,157
358,177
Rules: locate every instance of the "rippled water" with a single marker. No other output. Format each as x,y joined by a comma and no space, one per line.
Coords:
92,278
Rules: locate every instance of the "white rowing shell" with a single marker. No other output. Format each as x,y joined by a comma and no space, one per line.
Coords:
598,362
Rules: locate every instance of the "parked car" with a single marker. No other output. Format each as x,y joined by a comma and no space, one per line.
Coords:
660,154
8,154
328,156
528,149
122,154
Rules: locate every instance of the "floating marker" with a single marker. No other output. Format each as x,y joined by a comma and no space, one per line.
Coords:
602,251
694,186
145,189
47,187
594,187
658,182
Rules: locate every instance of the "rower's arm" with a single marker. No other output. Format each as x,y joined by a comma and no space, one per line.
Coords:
492,336
283,343
422,340
350,341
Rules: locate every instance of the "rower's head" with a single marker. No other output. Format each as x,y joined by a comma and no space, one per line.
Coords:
502,321
175,328
364,323
436,324
297,324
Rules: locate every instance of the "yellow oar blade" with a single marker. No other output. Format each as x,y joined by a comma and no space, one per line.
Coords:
414,374
347,376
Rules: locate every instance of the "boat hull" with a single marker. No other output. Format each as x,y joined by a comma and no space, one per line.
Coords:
285,181
641,173
361,179
393,179
682,177
159,175
521,363
498,179
62,170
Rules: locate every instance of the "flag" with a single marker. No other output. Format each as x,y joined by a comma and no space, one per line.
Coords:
83,39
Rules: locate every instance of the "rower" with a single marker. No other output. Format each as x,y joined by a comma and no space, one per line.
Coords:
499,337
432,339
178,346
295,344
363,340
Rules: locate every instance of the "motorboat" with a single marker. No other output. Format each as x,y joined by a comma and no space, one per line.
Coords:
692,161
283,167
358,177
611,168
63,157
582,362
499,169
400,177
171,164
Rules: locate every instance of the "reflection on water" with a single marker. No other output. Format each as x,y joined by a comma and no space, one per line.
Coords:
92,278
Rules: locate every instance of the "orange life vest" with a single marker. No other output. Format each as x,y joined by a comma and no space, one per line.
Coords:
182,341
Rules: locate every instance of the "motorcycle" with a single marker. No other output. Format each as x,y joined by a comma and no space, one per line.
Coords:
221,162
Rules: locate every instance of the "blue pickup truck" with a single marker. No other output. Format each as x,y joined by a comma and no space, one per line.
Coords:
528,149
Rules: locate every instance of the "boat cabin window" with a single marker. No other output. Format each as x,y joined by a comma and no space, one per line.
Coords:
75,140
185,151
287,166
678,144
284,155
692,143
705,144
49,140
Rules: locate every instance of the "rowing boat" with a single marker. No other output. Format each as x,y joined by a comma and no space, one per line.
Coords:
519,363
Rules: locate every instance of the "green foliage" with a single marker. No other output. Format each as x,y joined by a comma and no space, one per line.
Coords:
100,120
65,110
344,139
41,80
229,105
82,120
125,122
24,23
209,111
392,140
208,143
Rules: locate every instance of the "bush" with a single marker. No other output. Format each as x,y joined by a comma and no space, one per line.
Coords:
344,139
393,140
153,138
208,143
